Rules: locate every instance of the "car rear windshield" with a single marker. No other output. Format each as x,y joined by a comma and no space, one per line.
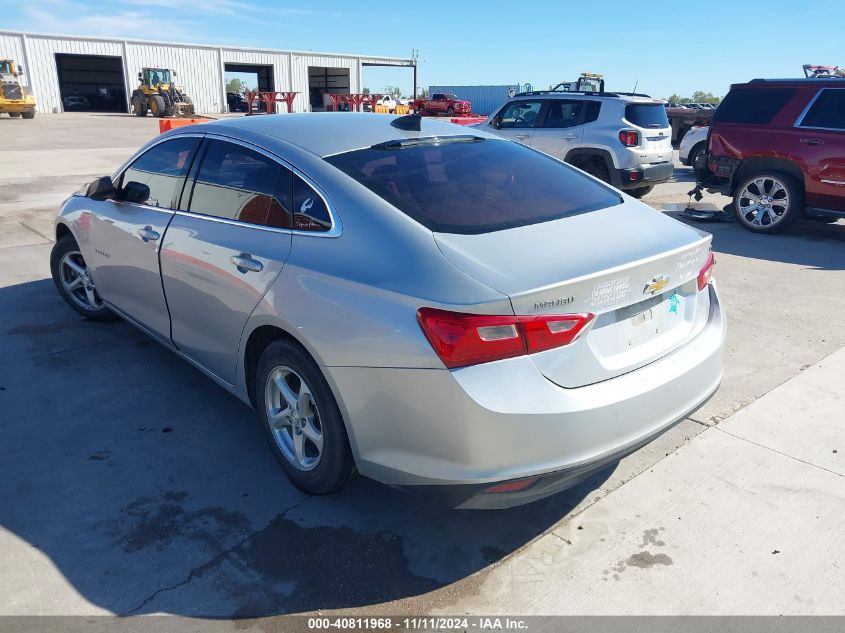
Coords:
752,106
473,185
647,115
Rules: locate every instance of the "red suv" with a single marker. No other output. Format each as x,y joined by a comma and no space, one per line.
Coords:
778,148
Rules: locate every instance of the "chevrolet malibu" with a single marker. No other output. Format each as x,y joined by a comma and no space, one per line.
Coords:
437,308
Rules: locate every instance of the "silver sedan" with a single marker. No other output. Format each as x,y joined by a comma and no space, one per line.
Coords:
434,307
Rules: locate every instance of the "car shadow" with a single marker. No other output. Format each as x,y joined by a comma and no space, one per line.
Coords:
151,489
807,243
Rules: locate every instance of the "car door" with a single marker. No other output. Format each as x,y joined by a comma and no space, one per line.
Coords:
561,128
224,249
126,235
820,136
517,120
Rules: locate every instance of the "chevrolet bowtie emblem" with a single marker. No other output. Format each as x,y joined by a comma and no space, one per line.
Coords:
656,285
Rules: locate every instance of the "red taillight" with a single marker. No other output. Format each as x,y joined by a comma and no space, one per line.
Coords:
513,486
461,339
707,272
629,138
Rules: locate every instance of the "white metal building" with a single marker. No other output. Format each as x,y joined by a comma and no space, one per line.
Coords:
105,71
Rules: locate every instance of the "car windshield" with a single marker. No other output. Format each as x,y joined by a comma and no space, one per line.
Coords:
451,97
158,76
5,68
473,185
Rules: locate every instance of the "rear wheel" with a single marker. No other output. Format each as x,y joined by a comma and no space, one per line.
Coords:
157,106
639,193
74,282
301,419
450,111
139,106
768,202
596,168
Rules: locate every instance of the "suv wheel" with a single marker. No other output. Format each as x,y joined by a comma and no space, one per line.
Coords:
768,202
302,420
596,168
639,193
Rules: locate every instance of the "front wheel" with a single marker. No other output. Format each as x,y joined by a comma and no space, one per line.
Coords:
450,111
28,114
768,202
301,419
74,282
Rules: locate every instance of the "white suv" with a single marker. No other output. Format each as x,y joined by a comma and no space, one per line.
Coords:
622,139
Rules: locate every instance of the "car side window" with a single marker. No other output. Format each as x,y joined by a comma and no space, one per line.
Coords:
161,170
827,111
309,210
237,183
519,114
564,113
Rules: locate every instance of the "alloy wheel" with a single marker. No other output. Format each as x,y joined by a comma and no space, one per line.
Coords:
763,201
77,282
294,418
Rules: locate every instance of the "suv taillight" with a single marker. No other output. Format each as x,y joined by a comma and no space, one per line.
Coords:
629,138
461,339
706,273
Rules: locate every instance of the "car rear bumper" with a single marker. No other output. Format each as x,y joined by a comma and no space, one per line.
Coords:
451,435
645,175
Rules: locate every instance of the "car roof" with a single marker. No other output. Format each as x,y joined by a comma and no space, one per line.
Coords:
838,82
327,133
615,96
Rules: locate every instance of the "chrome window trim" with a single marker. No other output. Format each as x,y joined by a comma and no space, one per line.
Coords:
336,229
806,111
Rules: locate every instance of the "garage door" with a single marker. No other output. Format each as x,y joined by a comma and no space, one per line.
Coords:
91,83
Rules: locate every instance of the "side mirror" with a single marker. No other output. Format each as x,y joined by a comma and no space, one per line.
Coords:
135,192
140,75
174,73
101,189
496,122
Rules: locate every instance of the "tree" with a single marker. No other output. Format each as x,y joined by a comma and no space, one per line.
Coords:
699,96
393,91
235,85
365,91
422,93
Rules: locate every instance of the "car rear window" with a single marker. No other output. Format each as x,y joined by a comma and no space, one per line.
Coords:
752,106
646,115
474,185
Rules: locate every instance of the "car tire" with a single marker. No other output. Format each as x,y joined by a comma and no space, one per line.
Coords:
139,107
70,274
309,439
598,169
28,114
697,156
640,192
14,115
783,202
450,111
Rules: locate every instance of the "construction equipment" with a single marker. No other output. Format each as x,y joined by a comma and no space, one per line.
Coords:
13,95
159,95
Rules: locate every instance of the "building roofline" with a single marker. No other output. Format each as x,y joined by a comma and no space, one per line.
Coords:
405,61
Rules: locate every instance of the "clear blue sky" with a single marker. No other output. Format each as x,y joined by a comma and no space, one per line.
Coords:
668,47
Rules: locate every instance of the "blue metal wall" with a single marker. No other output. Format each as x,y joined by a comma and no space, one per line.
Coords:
484,99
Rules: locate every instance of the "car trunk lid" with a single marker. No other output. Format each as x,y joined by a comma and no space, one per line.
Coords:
631,266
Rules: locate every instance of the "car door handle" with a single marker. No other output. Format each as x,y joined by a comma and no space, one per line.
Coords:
245,263
812,141
570,137
148,234
522,137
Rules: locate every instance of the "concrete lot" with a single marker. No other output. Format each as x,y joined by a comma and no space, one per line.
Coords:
130,483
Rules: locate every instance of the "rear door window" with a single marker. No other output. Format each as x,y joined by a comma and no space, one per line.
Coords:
564,113
472,185
237,183
752,106
519,114
648,115
162,168
827,111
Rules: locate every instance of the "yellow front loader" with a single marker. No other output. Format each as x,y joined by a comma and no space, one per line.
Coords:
159,95
13,96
